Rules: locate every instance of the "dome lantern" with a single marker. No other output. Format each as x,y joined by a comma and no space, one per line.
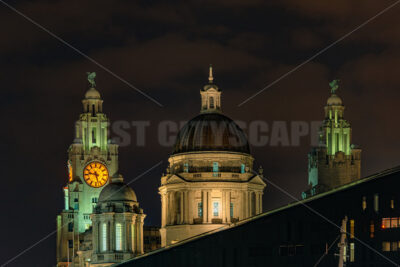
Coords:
210,96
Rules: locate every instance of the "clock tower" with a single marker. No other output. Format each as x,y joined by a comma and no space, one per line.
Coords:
92,160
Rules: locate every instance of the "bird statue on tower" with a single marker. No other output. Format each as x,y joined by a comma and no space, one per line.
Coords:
334,86
90,77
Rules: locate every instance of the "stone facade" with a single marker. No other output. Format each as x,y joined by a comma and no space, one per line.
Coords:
209,181
77,236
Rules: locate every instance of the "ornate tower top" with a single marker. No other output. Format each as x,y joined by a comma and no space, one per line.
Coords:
210,96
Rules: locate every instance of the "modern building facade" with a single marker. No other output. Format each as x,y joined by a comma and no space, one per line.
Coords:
93,168
336,161
209,182
305,233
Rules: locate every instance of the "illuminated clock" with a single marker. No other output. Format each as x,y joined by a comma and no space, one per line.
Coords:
95,174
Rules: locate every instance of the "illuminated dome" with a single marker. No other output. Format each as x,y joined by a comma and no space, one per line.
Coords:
211,132
334,100
117,191
92,93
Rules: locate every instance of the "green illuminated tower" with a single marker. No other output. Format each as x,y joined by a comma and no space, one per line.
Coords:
335,161
92,162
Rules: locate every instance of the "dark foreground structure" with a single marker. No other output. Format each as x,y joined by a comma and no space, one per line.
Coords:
301,233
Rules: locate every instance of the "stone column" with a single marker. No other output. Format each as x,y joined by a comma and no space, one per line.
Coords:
223,207
190,204
209,206
164,208
125,235
204,205
182,212
228,206
186,207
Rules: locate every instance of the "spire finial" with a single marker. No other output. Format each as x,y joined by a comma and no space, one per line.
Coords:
210,75
334,86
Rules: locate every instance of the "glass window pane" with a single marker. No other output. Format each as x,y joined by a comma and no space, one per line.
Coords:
385,246
385,223
200,209
118,236
394,222
216,209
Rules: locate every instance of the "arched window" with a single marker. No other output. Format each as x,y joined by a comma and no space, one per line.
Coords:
118,236
104,237
211,102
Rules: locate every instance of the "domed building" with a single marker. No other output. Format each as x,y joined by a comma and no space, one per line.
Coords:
117,225
210,181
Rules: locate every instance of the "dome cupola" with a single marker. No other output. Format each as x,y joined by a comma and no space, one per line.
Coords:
117,191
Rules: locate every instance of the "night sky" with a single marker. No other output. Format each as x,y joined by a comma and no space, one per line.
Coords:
165,50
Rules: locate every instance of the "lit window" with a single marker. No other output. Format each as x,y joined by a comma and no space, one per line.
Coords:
242,168
216,209
364,203
104,237
394,222
385,223
351,252
376,202
351,228
231,210
118,236
372,230
200,209
215,168
392,204
385,246
395,246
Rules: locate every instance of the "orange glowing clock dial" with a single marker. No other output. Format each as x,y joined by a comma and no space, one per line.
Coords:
95,174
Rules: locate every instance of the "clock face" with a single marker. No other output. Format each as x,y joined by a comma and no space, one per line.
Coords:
95,174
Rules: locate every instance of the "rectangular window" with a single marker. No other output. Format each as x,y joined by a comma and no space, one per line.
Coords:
70,243
394,222
372,229
200,209
242,168
216,209
118,236
94,135
351,252
231,210
385,246
392,204
395,246
215,169
104,237
364,203
385,223
186,167
376,202
70,227
351,228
